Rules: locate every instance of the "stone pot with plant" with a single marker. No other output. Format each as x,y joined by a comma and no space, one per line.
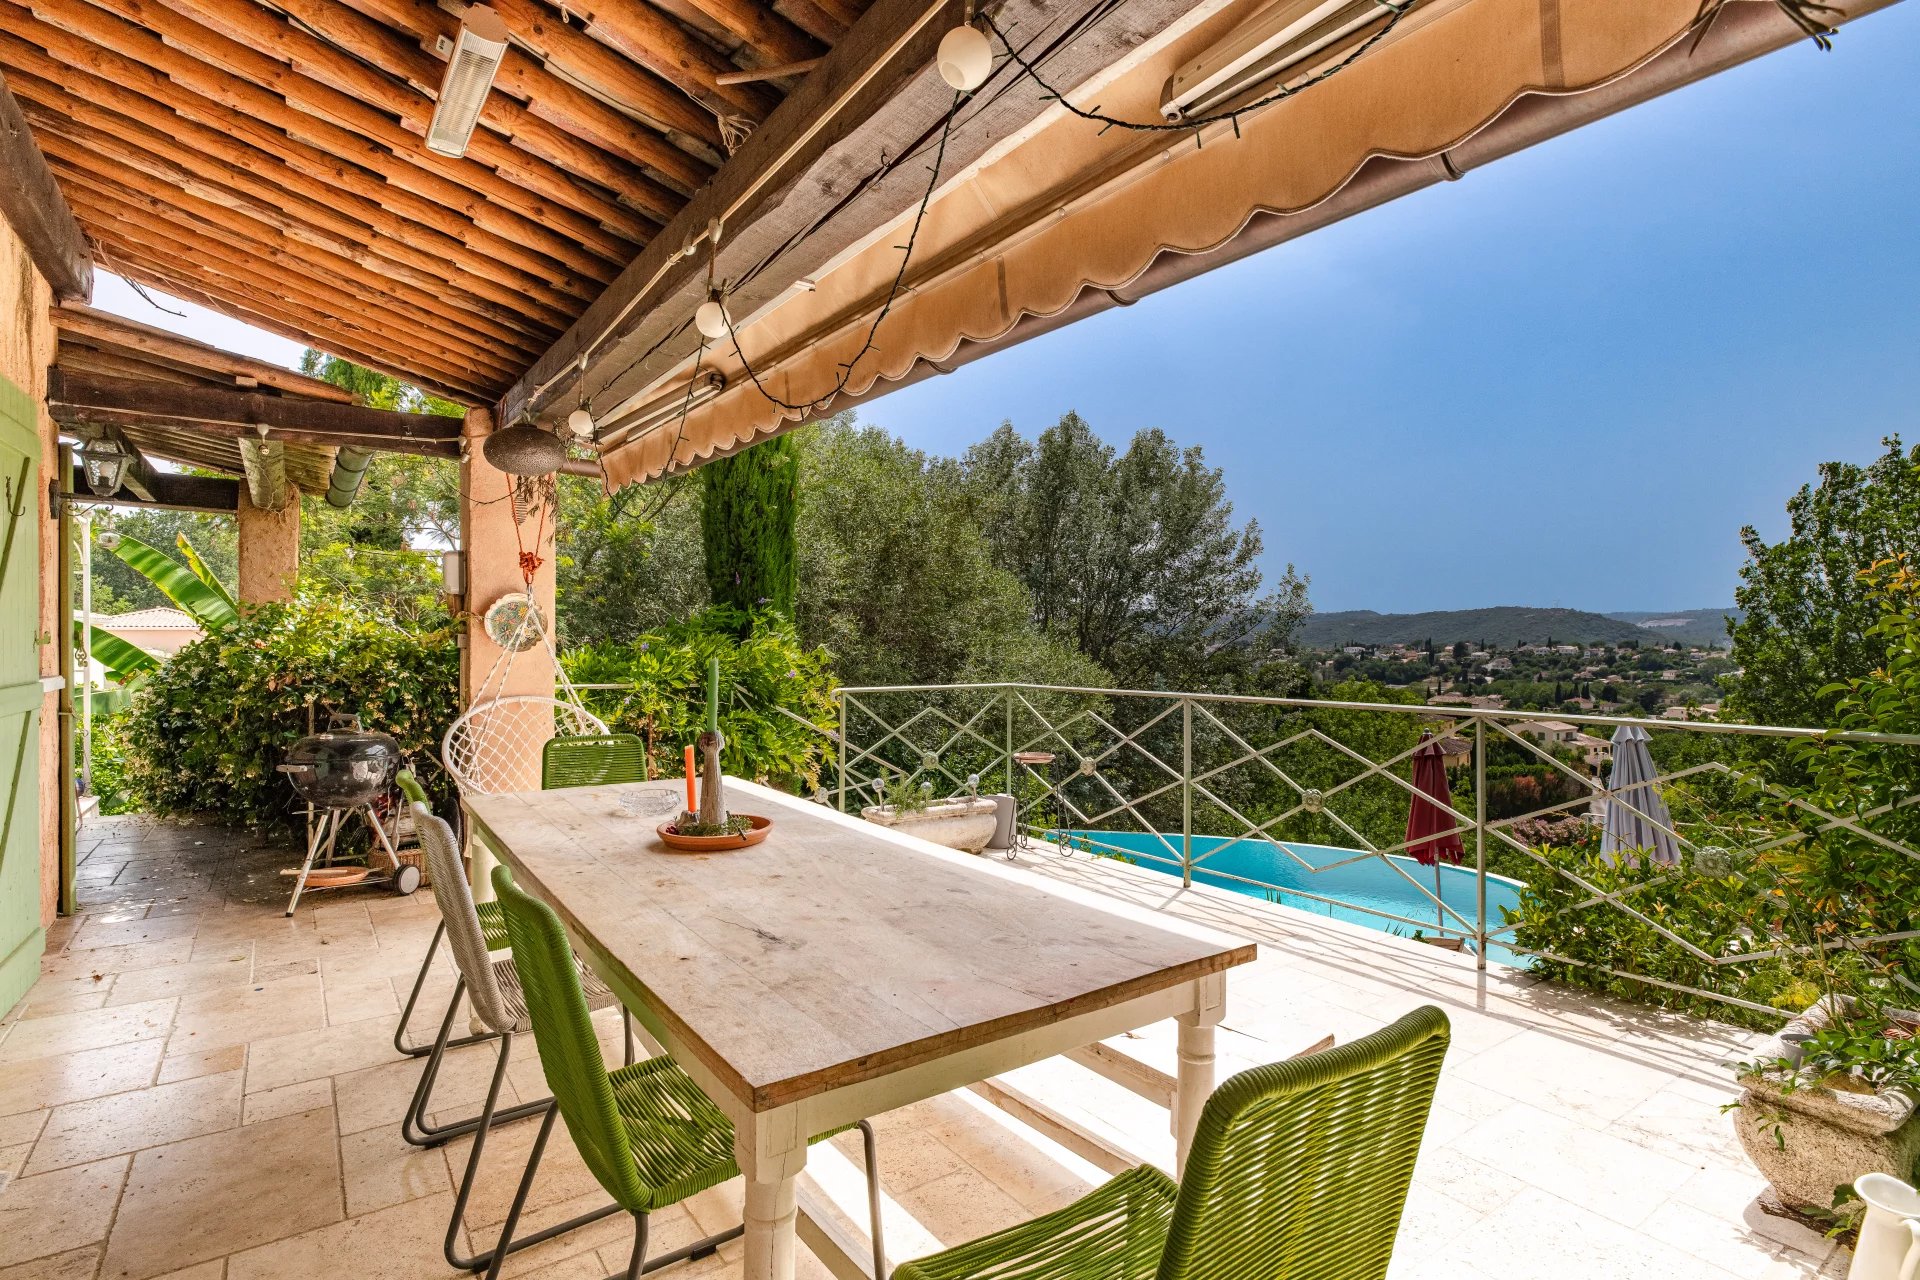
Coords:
1836,893
963,822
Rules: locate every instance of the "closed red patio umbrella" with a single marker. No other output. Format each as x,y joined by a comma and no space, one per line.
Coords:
1431,820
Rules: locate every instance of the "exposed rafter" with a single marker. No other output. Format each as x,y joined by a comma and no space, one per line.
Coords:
32,204
209,494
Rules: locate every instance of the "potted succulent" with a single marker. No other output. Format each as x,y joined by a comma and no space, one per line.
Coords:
965,822
1836,892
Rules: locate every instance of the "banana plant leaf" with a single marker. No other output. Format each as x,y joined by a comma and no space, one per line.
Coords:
201,571
123,661
213,610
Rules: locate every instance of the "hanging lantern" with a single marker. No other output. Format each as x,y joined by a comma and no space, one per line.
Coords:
524,450
104,463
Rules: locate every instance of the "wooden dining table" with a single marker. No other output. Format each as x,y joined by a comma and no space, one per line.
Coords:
839,969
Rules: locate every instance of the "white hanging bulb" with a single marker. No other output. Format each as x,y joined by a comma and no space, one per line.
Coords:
711,320
580,422
965,58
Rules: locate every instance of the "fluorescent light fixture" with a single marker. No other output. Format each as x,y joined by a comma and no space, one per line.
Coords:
1278,39
463,90
662,411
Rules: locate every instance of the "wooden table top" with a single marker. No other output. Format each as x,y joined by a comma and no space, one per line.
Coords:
837,950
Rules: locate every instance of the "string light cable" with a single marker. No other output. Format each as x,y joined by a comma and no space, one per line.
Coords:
893,291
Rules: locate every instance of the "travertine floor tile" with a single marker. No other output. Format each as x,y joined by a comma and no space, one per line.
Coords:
89,1029
65,1077
58,1212
210,1196
400,1243
79,1132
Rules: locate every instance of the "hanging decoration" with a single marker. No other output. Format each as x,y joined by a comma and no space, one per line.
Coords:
524,450
515,622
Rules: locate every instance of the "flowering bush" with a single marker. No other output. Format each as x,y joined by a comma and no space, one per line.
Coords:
776,695
205,731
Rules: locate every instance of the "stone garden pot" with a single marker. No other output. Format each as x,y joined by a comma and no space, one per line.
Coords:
966,824
1813,1139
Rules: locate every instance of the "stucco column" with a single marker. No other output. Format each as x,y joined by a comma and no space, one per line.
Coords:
492,542
269,549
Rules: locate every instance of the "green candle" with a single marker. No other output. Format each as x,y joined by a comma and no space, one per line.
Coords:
713,695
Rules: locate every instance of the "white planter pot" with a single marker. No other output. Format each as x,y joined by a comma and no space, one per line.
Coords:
1812,1139
966,824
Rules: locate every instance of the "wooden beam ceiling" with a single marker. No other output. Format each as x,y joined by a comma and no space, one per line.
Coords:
86,400
267,157
210,494
129,339
31,203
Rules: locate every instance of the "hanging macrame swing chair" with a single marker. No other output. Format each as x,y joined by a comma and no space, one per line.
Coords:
495,745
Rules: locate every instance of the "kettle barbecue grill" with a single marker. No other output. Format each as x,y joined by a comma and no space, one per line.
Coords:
341,773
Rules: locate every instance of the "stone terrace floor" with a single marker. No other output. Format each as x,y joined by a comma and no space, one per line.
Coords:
200,1088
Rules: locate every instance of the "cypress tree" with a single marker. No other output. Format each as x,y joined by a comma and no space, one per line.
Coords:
749,503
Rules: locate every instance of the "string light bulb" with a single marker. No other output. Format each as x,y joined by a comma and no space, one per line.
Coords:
965,58
580,422
711,319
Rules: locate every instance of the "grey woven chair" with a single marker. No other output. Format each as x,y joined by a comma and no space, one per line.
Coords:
499,1002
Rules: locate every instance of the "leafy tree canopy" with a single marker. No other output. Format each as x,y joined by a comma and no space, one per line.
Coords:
1132,557
1808,608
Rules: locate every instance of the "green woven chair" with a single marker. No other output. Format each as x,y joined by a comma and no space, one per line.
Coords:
1299,1171
646,1131
593,760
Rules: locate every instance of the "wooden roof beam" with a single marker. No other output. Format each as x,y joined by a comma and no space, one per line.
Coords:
31,202
265,464
209,494
102,327
129,208
197,59
240,415
266,47
768,37
426,234
649,37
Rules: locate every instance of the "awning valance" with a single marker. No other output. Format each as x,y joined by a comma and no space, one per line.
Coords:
1066,209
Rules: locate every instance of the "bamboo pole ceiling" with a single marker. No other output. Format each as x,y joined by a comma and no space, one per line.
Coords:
267,157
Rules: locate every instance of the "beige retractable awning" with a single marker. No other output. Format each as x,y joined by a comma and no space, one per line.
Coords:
1064,209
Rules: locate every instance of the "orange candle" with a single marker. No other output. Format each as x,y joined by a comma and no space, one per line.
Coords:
691,804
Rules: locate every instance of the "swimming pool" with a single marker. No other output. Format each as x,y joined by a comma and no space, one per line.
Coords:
1353,893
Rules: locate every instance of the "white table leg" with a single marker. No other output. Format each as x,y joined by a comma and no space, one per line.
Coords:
1196,1070
771,1150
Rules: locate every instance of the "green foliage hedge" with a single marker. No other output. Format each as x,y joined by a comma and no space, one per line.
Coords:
764,672
206,730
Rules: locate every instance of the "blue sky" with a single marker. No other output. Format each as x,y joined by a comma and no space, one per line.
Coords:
1567,379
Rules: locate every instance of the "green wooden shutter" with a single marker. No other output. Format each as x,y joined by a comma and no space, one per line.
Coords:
21,696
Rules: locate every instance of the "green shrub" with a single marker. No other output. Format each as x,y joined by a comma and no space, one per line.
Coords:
206,730
109,780
765,673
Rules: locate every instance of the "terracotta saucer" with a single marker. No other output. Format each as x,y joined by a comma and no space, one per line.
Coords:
677,843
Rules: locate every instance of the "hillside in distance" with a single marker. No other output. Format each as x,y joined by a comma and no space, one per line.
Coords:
1688,626
1508,625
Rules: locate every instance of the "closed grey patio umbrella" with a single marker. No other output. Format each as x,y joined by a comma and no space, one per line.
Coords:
1636,816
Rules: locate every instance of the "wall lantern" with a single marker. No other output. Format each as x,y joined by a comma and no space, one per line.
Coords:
104,463
453,573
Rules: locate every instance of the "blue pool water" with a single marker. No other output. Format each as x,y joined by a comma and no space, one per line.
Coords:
1354,893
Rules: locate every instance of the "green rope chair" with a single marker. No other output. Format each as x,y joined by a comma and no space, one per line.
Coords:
1299,1171
646,1131
593,760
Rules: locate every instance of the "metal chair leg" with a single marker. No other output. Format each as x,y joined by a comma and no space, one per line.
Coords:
413,998
501,1250
482,1261
873,1198
413,1125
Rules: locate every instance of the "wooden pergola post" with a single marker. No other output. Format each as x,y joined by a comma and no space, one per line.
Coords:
492,542
269,548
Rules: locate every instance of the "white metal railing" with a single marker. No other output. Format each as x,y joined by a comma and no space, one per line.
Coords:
1145,774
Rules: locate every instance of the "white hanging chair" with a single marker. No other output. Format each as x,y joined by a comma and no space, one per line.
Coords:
496,743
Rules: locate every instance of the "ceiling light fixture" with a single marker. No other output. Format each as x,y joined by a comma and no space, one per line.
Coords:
470,71
965,58
710,318
104,464
1279,39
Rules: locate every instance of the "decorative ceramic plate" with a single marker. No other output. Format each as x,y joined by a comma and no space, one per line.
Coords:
677,843
508,625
